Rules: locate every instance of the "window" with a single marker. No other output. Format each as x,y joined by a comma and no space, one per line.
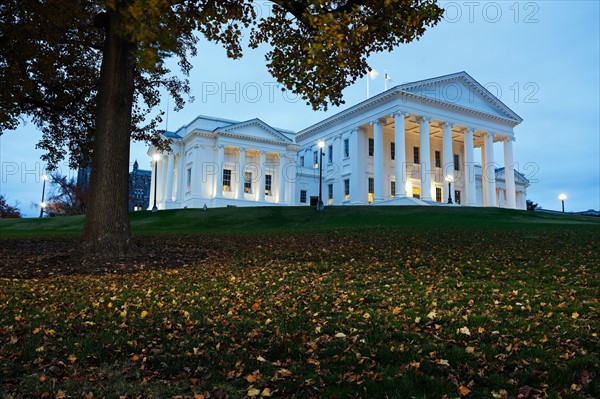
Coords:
303,196
371,189
416,155
371,147
302,161
392,189
438,159
347,190
316,159
330,154
393,150
188,180
456,162
330,193
416,192
248,182
438,194
346,148
226,179
457,197
268,181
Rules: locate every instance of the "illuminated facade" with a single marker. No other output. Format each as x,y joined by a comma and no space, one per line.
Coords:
413,144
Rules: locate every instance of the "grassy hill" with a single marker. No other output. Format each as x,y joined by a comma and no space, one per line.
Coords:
351,302
308,219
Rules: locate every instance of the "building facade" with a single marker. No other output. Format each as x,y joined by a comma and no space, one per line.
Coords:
413,144
139,188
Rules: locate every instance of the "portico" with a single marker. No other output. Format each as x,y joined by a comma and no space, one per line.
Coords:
405,143
234,163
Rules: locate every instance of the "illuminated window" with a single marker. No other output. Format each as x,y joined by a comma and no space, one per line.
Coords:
330,193
188,180
347,190
316,159
330,154
371,189
393,150
346,148
371,147
456,162
268,181
303,196
226,179
416,192
438,194
248,182
393,189
416,155
302,161
438,159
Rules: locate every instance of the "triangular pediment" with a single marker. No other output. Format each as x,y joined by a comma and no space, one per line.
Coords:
460,89
254,129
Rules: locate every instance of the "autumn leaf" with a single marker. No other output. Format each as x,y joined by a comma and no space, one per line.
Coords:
574,315
253,392
143,314
72,358
431,315
61,394
463,390
465,330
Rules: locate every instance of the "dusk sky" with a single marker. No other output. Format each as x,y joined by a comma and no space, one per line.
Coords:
541,58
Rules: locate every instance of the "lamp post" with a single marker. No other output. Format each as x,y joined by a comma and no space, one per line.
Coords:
155,157
43,204
562,199
449,179
320,205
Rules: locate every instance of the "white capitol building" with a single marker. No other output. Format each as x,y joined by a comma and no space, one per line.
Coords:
397,148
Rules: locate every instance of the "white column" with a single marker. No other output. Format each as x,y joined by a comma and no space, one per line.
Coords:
281,179
425,155
447,160
162,179
356,167
469,171
400,153
197,178
490,168
179,192
484,181
509,174
218,187
378,160
262,171
338,182
152,165
170,172
241,175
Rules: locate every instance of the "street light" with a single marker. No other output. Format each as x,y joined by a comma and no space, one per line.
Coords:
562,199
156,157
320,205
43,204
449,179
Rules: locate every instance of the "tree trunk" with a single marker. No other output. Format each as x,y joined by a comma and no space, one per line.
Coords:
106,232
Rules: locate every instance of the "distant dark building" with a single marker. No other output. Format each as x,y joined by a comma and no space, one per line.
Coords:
139,186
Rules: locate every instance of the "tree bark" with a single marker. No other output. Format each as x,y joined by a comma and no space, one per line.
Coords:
106,232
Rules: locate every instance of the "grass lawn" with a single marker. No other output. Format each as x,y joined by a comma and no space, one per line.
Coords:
361,302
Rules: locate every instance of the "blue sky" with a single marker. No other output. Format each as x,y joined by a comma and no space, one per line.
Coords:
541,58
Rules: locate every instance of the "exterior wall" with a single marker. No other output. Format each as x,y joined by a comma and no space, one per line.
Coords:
207,146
